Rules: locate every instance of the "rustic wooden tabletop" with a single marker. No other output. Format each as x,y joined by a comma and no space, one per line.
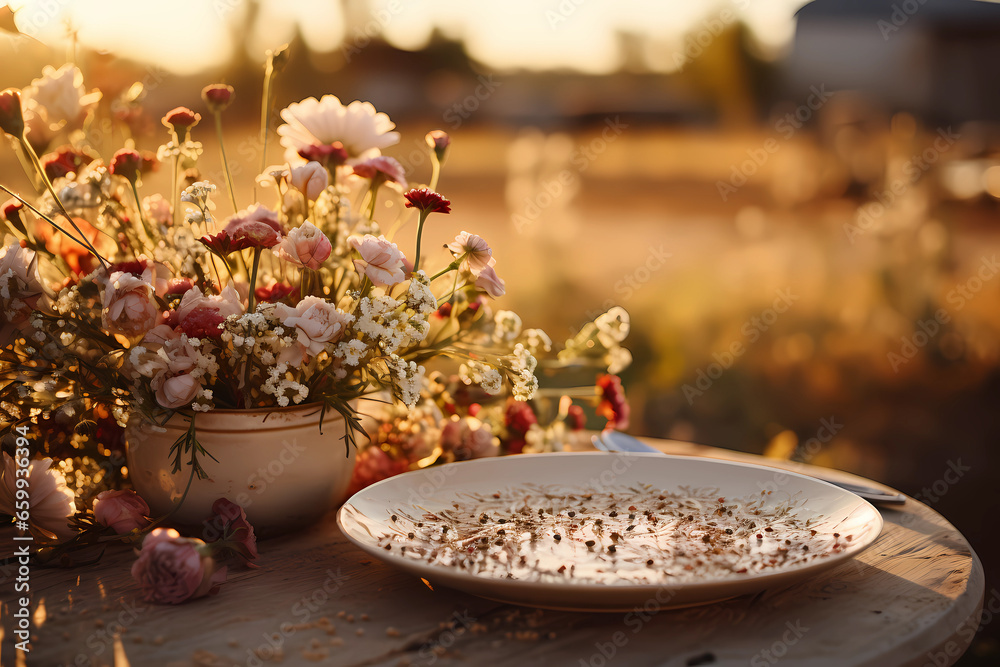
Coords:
913,598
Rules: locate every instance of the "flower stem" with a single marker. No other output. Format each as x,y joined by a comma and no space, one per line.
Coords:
253,279
435,171
175,196
142,216
420,232
26,145
225,161
450,267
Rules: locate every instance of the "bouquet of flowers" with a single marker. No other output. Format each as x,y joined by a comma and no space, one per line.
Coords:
116,302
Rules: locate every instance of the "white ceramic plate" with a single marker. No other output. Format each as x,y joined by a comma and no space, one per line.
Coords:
367,519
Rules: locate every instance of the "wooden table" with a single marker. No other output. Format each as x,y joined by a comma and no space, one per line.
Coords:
913,598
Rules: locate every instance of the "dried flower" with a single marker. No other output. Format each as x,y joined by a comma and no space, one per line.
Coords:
172,569
305,246
255,227
11,116
474,252
427,200
328,155
237,533
123,511
128,305
181,117
128,164
310,179
51,502
217,96
489,282
382,169
380,259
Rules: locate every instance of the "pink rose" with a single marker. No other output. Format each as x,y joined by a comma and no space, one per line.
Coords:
255,227
237,533
468,438
177,391
124,510
305,246
172,569
310,179
474,251
489,282
228,303
380,259
317,323
129,308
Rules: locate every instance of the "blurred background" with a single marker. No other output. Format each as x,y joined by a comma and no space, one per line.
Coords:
797,202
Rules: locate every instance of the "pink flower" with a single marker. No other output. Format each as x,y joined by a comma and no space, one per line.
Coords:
305,246
128,305
172,569
237,532
255,227
385,168
467,438
51,502
310,179
317,323
474,252
177,391
124,510
20,284
380,259
488,281
228,303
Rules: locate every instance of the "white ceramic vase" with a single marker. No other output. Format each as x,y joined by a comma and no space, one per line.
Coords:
274,463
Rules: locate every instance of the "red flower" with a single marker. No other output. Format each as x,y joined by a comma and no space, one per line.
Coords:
576,418
444,311
382,167
181,117
64,161
12,207
426,199
519,417
613,405
11,116
177,286
134,266
203,323
326,154
218,96
128,164
273,293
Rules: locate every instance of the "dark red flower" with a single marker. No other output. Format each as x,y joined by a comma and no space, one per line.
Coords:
178,286
576,418
326,154
445,310
12,207
134,266
515,445
128,164
613,405
203,323
171,319
218,96
519,417
181,117
64,161
426,199
11,116
273,293
149,161
236,532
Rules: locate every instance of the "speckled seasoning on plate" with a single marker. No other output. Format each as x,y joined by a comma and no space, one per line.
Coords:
638,535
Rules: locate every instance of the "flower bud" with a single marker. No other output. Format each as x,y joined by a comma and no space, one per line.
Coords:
218,97
439,141
11,117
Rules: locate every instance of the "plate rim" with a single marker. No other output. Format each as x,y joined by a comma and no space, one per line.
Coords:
431,571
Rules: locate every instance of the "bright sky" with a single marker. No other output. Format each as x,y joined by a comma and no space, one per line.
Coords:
190,35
